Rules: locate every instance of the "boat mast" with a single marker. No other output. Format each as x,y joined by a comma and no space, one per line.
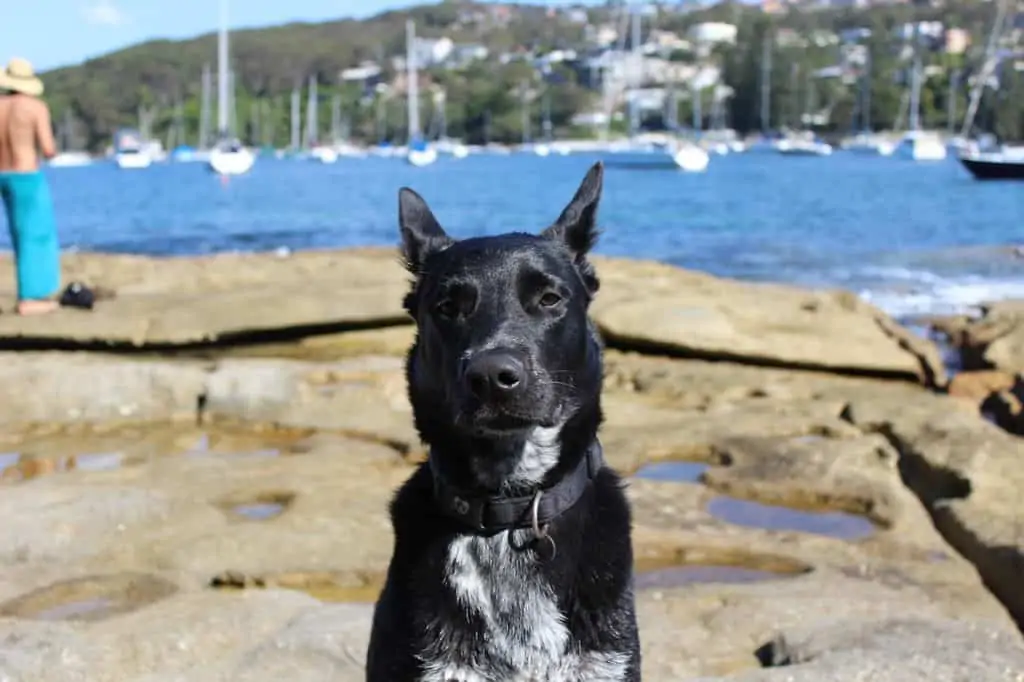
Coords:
222,71
986,69
312,120
634,105
865,86
766,83
413,84
204,109
336,135
295,115
915,87
526,123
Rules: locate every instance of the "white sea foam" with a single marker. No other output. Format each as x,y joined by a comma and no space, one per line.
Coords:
933,295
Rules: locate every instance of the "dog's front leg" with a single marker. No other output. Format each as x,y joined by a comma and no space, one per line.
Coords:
389,657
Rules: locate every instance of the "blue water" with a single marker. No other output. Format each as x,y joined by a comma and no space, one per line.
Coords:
910,237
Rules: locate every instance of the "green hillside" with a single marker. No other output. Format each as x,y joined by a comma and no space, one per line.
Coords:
482,99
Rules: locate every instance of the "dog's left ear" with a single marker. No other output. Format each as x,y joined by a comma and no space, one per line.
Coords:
422,235
577,226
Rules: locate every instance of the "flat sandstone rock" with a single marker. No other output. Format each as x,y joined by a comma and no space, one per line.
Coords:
663,308
231,297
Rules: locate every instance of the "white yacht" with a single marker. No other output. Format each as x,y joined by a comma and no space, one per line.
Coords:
798,146
229,156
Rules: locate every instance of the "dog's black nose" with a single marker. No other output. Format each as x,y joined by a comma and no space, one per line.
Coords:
495,374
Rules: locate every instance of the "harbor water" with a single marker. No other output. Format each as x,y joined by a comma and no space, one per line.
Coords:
911,237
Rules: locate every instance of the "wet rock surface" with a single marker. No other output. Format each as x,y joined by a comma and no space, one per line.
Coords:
220,514
995,339
266,504
181,303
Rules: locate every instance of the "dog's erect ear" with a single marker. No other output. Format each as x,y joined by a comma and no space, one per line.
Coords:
421,233
577,226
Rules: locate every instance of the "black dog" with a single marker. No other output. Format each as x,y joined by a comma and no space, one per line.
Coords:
512,557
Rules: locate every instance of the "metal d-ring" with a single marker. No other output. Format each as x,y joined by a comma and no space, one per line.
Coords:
541,532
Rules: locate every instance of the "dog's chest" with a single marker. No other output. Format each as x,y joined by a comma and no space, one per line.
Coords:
524,637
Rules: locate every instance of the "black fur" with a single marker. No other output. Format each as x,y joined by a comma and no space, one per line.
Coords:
522,299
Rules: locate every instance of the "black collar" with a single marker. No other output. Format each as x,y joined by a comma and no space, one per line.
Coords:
488,515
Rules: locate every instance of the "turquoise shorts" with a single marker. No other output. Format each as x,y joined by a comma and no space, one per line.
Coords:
30,219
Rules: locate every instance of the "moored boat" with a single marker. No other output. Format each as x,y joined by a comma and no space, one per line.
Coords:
1005,164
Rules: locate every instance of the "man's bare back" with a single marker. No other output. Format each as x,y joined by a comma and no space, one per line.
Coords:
25,132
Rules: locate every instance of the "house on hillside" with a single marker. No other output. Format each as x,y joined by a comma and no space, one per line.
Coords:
463,55
712,33
665,43
432,51
604,35
957,41
854,35
368,75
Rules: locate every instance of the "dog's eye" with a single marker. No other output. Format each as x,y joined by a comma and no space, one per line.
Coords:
447,308
549,300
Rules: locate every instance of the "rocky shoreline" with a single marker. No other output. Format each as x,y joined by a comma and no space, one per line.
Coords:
195,475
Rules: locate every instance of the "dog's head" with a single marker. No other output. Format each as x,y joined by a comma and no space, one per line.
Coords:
505,352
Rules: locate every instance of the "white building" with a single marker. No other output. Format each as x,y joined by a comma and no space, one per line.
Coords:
711,32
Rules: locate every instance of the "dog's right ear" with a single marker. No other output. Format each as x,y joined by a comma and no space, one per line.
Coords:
422,235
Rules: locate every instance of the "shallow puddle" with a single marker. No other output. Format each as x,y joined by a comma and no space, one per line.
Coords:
85,609
45,451
17,467
338,593
678,576
327,586
684,472
90,599
832,524
258,511
258,506
664,577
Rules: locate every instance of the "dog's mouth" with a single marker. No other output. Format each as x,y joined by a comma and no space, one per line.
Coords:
490,422
503,425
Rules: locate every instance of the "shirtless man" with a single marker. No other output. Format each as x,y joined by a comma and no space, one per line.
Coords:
25,135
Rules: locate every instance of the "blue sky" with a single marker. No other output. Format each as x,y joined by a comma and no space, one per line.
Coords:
53,33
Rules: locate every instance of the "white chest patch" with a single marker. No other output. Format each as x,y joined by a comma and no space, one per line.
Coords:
525,637
540,455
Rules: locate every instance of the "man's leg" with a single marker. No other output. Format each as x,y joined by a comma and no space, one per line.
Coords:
34,231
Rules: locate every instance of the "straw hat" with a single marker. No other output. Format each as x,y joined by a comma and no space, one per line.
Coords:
20,77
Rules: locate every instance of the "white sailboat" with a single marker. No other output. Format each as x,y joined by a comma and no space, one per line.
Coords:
419,151
802,141
68,157
229,156
687,155
317,152
917,144
679,153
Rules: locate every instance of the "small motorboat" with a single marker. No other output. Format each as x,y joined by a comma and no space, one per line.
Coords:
920,145
132,158
690,158
70,159
420,153
324,154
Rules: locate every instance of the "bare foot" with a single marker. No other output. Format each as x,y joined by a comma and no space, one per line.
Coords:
36,307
